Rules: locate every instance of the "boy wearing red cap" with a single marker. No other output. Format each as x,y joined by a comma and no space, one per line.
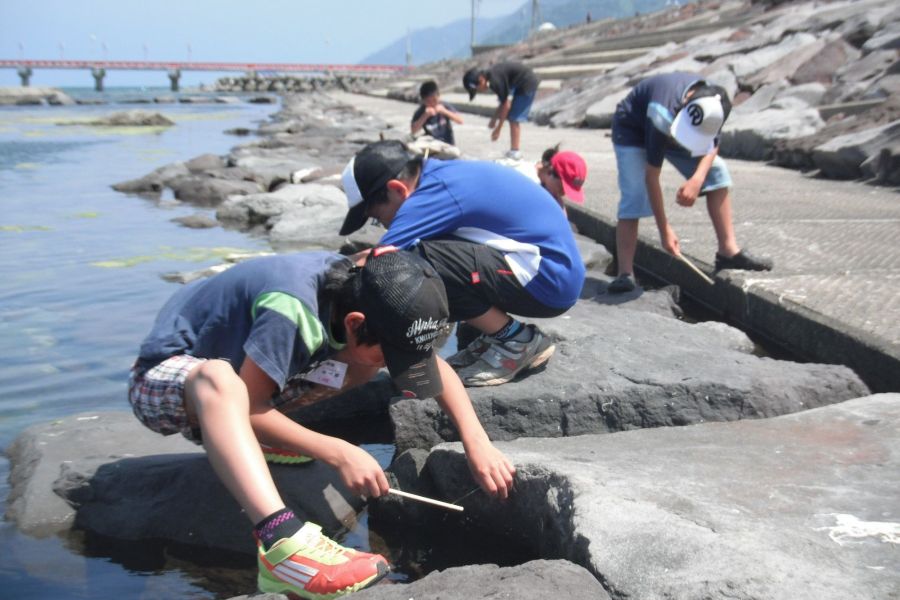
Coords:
563,175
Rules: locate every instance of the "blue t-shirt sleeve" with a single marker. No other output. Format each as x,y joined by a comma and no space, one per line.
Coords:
656,132
428,213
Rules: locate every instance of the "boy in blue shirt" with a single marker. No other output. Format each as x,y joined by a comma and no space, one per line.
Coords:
497,239
676,117
220,357
436,118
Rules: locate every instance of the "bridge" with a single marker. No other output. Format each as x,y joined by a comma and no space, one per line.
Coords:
98,68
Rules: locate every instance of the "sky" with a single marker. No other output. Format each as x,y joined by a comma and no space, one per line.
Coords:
297,31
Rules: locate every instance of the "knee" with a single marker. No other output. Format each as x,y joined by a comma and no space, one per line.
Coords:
214,381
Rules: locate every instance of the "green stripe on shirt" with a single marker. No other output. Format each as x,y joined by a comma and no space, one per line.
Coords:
311,330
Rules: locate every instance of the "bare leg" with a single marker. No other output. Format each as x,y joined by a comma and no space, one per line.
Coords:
718,205
626,244
490,322
515,133
216,398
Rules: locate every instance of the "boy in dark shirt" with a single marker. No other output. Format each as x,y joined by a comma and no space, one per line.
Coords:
516,86
224,351
434,116
676,117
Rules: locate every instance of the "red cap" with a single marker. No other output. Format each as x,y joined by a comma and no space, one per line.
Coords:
572,171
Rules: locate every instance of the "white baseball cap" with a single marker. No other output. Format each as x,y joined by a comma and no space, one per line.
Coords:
696,126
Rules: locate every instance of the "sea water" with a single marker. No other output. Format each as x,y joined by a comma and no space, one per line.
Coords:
80,283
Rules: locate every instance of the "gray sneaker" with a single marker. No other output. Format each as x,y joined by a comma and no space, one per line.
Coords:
470,354
502,361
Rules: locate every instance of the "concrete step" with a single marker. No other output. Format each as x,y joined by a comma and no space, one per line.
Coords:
575,57
570,71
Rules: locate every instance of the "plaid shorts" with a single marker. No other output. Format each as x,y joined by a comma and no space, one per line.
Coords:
157,396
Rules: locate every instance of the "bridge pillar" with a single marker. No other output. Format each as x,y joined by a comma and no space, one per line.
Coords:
174,77
25,75
98,73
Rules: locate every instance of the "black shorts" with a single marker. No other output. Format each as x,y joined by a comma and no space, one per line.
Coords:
477,278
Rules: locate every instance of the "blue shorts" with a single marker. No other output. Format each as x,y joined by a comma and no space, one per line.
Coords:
520,107
631,161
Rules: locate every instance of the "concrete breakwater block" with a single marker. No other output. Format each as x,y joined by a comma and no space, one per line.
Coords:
799,506
107,474
616,369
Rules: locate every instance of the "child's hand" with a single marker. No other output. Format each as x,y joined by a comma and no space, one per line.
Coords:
495,134
491,469
492,123
669,241
688,192
431,111
361,473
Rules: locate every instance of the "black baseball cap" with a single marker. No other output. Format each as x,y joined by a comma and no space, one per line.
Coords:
470,81
366,175
405,304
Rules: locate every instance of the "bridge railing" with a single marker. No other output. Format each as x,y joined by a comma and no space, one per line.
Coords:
200,66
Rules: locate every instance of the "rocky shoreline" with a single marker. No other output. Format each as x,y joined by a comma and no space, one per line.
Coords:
815,85
656,457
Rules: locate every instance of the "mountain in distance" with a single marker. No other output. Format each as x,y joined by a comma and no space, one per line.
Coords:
434,43
452,40
563,13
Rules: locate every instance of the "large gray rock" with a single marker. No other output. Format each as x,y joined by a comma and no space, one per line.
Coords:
800,506
203,190
643,370
153,183
129,118
843,156
23,96
107,474
534,579
600,114
745,65
753,136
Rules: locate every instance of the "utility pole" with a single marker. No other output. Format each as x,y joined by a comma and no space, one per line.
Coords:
535,14
409,58
472,44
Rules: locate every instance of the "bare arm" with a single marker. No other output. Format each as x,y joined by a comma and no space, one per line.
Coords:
420,122
452,115
667,236
491,469
499,119
358,469
690,190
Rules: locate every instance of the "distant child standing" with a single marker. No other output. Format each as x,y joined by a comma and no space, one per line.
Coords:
516,86
433,116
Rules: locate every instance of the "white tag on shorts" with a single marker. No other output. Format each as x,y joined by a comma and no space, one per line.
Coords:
330,373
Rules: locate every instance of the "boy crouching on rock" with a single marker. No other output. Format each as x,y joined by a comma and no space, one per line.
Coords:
223,348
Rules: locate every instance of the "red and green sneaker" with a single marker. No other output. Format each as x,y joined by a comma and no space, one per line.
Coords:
280,456
312,566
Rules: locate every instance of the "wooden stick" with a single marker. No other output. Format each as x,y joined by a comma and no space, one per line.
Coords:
424,158
446,505
685,260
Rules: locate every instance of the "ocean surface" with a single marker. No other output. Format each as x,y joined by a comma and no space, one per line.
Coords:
81,266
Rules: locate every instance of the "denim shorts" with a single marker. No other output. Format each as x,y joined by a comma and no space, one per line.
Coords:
631,161
157,396
520,107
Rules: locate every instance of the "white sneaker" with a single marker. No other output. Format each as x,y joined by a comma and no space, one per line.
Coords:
514,155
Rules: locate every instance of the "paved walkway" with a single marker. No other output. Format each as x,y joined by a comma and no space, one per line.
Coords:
834,295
